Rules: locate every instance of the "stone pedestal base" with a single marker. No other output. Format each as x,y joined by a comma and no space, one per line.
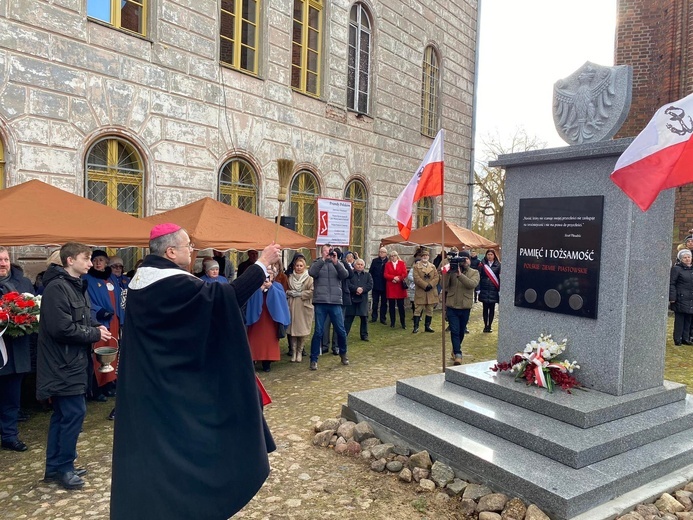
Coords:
567,453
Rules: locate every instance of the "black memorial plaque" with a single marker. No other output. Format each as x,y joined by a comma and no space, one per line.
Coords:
559,243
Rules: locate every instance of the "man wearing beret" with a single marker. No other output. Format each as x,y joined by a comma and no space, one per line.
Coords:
190,439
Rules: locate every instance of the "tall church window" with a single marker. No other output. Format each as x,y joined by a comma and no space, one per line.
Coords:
239,34
304,192
358,74
122,14
356,193
430,93
306,46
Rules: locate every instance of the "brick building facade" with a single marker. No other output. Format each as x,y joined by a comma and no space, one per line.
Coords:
148,105
655,37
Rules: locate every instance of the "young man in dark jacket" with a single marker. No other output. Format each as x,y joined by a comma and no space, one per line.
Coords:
66,332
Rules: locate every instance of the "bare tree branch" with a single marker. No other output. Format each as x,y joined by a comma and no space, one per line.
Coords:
489,196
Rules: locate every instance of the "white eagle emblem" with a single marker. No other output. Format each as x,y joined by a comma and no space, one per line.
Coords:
586,104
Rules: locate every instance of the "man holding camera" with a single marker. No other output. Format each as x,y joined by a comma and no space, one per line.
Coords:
328,273
460,282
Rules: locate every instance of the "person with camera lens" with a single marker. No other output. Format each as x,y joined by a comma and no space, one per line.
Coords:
327,273
460,282
329,335
426,292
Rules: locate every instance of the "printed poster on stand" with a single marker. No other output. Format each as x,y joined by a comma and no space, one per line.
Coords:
334,222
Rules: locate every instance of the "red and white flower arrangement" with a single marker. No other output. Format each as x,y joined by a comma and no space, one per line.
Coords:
19,314
538,365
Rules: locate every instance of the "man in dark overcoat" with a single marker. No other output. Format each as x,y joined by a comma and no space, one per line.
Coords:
376,270
190,439
15,358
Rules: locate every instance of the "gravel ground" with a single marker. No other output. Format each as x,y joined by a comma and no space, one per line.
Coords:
306,482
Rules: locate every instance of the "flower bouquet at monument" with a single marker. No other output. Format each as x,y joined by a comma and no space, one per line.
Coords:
538,365
19,314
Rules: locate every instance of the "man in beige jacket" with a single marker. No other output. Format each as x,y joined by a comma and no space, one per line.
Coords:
460,282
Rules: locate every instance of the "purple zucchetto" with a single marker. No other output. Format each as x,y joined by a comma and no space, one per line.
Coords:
163,229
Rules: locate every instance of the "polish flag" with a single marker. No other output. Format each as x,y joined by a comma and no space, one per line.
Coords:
426,182
660,157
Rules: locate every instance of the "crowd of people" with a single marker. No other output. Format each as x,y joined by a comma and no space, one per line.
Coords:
337,288
85,296
235,319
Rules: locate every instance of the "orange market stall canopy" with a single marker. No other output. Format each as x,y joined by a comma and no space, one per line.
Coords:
213,224
432,235
36,213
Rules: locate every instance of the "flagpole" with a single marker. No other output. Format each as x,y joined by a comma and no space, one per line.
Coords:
427,181
444,274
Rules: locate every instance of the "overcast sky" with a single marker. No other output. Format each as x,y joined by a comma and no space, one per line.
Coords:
525,47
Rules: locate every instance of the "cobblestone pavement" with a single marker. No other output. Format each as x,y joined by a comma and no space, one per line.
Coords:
306,482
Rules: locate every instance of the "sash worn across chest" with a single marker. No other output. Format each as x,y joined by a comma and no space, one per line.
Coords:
491,275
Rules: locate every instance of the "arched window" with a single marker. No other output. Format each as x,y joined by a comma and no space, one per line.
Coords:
115,178
238,185
115,175
358,78
304,192
306,46
356,193
424,212
430,93
2,165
